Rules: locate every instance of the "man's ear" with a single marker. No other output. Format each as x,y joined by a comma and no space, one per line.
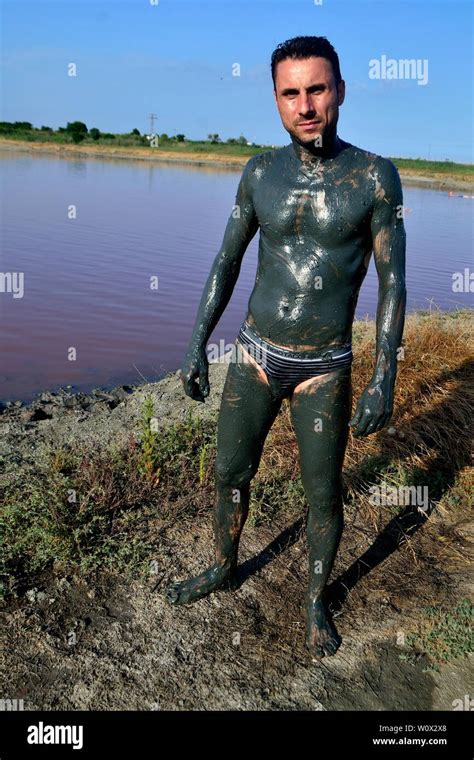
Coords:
341,91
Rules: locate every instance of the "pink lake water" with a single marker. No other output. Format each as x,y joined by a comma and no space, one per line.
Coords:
87,280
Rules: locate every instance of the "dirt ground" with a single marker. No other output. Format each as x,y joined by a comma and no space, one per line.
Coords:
120,645
116,643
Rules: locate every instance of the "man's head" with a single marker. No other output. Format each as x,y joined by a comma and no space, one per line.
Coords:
308,87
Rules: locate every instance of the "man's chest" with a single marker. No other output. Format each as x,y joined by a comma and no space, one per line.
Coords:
329,210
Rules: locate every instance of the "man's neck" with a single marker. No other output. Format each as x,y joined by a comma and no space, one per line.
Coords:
309,153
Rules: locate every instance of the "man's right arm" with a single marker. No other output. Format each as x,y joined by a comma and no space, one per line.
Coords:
241,228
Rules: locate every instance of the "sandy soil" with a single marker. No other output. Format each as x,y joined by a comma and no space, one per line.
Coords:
433,180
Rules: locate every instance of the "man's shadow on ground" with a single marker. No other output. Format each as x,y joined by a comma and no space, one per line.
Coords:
411,518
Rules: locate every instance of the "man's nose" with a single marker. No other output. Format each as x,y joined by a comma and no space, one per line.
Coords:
306,106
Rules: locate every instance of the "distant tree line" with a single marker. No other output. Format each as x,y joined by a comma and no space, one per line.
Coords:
77,131
214,138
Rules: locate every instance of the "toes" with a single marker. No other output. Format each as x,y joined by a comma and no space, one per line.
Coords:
230,584
317,653
331,647
327,649
172,593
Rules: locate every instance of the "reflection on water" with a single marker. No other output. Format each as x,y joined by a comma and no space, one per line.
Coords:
90,236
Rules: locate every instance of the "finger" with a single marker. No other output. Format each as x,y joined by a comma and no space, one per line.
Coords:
383,422
204,384
188,384
191,388
371,427
357,415
196,392
361,428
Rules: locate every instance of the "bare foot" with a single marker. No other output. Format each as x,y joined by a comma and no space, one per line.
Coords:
195,588
322,638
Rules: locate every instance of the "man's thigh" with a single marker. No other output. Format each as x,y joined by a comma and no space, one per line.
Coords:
247,412
320,413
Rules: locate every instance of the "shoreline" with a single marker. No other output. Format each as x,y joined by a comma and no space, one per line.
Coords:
434,181
67,397
51,408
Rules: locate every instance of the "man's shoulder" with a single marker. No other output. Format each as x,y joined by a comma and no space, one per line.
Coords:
382,168
381,171
373,160
258,164
387,179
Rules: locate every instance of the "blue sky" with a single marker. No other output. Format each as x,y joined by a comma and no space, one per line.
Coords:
175,59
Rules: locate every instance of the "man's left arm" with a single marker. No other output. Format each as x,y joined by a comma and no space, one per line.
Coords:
375,407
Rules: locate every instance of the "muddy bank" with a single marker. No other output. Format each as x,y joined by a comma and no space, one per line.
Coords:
436,181
133,154
113,642
101,418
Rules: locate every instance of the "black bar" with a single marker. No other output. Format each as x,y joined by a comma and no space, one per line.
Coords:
158,733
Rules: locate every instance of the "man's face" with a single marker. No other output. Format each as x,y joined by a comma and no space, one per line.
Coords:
305,91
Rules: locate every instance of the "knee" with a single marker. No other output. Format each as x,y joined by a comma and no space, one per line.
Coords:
324,496
234,475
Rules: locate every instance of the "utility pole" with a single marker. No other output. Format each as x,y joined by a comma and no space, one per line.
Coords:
152,118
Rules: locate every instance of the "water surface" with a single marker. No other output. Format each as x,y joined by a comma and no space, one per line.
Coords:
87,280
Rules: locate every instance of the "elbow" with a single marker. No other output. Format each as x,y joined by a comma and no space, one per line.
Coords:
394,285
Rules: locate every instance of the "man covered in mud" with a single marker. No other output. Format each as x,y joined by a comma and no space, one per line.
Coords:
322,206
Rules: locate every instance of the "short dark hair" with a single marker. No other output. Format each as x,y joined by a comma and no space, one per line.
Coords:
305,47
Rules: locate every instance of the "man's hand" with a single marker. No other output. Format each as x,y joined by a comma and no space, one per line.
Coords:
373,410
196,365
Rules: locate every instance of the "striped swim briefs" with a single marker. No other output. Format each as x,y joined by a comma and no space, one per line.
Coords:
287,367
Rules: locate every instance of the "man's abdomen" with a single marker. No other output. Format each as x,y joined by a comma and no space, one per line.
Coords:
305,300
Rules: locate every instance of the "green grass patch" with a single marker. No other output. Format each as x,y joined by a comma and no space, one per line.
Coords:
442,635
87,510
270,497
436,167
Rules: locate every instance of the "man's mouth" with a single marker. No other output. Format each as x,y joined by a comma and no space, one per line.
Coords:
308,124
